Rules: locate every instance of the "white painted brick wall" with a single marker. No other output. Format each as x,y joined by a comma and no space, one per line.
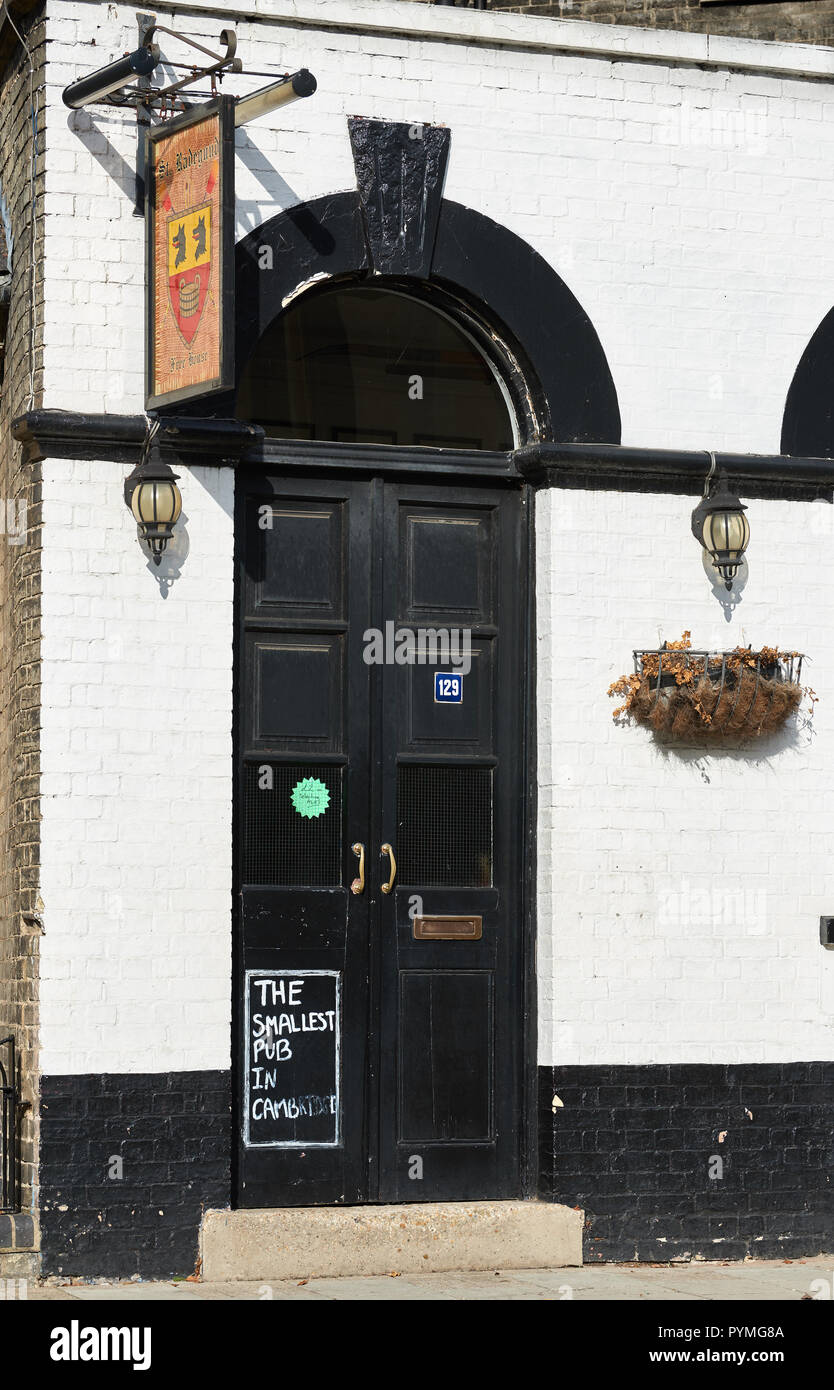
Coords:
679,892
691,210
136,779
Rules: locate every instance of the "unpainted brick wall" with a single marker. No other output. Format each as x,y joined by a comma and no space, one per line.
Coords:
20,581
794,21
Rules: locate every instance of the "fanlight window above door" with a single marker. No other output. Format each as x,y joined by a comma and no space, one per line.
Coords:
374,366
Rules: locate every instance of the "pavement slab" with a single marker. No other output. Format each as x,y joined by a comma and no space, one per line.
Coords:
745,1281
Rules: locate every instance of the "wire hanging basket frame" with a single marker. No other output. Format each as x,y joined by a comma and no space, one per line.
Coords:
686,691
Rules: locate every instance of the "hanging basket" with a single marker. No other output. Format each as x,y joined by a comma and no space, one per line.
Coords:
689,695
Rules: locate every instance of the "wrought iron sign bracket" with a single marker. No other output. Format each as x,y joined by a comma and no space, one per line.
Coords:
163,101
165,97
113,85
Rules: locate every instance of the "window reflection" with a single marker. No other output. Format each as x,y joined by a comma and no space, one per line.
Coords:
373,366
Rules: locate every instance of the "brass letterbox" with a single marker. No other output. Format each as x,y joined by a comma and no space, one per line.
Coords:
448,928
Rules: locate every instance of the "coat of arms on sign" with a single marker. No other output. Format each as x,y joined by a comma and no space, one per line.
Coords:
189,265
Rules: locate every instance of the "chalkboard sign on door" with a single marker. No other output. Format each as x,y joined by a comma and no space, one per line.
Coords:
293,1042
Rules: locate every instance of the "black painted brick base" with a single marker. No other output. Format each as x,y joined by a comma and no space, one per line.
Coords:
173,1132
633,1145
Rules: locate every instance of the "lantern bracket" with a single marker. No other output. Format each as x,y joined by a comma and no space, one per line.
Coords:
709,477
699,512
712,492
150,465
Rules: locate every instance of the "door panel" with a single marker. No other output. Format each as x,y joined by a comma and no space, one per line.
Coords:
304,594
301,571
414,1093
467,727
445,1090
445,564
297,691
450,1075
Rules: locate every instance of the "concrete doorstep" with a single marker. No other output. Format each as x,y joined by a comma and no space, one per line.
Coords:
424,1238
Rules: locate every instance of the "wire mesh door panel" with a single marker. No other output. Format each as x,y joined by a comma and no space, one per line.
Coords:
444,822
282,846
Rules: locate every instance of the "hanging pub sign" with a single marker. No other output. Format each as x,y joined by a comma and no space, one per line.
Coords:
189,227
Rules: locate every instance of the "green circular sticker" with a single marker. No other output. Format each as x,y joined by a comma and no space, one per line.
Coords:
310,797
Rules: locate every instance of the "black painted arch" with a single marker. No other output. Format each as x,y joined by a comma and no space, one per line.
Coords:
808,421
520,311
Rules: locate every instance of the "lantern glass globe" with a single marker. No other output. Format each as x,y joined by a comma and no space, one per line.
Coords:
727,533
156,502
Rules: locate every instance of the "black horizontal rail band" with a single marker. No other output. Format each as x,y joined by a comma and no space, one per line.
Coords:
76,435
229,443
606,467
623,468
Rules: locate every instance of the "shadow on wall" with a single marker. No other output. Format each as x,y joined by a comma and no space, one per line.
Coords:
795,734
92,135
173,556
211,483
249,211
728,599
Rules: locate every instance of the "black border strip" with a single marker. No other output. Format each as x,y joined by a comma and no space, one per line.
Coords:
605,467
530,1022
621,468
119,438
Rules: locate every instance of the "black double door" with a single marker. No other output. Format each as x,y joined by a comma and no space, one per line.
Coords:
380,812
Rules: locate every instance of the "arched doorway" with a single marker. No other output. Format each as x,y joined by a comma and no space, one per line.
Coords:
494,285
385,1007
381,626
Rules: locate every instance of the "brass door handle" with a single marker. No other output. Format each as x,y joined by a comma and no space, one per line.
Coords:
388,849
358,885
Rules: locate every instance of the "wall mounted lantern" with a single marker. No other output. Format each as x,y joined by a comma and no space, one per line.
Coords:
103,83
153,497
719,524
113,84
290,88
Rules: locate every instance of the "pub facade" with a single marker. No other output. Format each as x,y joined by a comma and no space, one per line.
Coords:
357,439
